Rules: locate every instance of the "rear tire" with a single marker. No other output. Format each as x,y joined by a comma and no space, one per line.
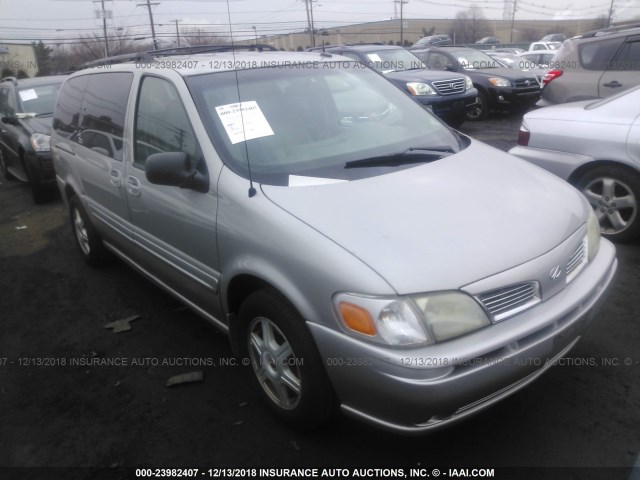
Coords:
88,240
614,193
286,365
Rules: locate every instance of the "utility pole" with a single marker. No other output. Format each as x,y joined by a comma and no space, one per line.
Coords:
313,26
513,19
401,2
610,14
309,8
177,30
153,30
103,14
255,32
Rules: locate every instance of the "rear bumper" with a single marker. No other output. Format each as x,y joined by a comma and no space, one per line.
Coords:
414,391
562,164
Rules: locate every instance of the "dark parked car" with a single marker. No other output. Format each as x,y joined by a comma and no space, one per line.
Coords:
499,87
432,41
488,40
26,109
449,95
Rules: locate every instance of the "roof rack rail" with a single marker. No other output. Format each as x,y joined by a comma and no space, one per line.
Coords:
609,30
148,56
13,80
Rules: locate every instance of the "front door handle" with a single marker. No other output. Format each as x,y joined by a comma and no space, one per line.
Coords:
613,84
133,186
115,177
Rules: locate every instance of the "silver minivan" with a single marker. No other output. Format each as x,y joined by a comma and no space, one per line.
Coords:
358,252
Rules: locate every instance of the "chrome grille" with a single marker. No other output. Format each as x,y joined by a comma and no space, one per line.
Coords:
449,87
527,83
504,302
577,260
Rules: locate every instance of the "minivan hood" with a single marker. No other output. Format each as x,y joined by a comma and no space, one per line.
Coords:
444,224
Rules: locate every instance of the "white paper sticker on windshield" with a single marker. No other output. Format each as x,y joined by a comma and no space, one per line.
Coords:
26,95
244,121
374,57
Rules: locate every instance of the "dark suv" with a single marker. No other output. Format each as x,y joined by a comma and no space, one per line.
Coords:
499,87
450,96
26,110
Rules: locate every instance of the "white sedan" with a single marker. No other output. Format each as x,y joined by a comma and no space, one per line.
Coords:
594,145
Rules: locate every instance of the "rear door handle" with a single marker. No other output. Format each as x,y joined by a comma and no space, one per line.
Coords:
133,186
613,84
115,177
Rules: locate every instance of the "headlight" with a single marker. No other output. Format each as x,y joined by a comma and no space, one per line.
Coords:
593,235
468,83
41,142
500,82
417,88
412,320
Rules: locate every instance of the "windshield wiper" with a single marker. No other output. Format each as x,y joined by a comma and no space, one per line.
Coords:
410,155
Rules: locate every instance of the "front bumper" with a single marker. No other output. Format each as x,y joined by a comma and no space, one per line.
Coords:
509,98
40,167
450,106
422,389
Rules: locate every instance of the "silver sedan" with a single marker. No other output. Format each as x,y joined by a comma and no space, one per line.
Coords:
594,145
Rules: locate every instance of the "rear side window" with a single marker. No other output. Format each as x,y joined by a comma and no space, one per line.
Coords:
104,108
598,55
66,120
628,58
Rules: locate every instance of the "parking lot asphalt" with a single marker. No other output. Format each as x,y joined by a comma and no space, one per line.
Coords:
76,394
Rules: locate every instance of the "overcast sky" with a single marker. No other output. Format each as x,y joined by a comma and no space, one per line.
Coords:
55,19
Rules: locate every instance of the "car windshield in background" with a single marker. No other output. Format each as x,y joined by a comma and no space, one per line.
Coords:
475,59
313,121
391,60
39,100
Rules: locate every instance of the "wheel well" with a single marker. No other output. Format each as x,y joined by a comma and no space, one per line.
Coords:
583,169
240,288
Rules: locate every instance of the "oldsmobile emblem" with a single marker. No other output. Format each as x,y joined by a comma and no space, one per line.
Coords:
555,272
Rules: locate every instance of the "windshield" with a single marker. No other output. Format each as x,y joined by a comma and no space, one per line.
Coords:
393,60
311,121
474,59
39,100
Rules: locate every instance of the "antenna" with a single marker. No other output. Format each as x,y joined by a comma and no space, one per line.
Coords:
252,190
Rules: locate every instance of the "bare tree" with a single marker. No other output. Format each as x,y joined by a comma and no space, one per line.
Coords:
201,36
471,25
85,48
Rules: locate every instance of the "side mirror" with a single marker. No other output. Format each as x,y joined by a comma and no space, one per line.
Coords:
174,169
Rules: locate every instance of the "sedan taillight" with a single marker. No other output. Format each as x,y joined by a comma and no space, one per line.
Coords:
550,75
523,136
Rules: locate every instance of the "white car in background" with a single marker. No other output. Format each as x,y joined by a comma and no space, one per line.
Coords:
594,145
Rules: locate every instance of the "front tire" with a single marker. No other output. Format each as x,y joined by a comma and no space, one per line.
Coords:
614,193
3,167
285,362
481,110
87,238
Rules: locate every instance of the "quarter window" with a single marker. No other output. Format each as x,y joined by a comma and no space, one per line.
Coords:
598,55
